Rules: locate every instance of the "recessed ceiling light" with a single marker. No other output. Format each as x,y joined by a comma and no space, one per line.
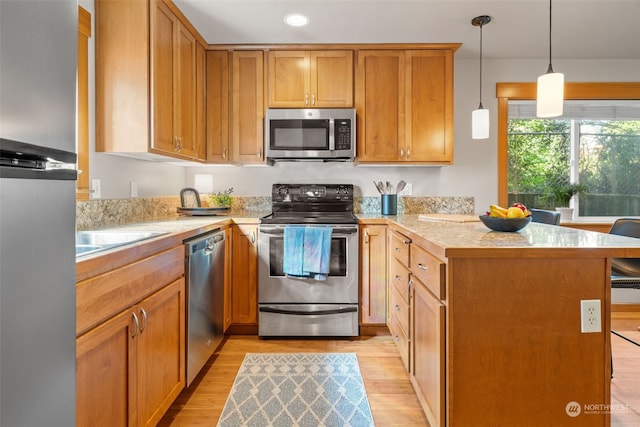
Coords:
296,20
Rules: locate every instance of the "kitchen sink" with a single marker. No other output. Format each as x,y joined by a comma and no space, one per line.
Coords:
89,242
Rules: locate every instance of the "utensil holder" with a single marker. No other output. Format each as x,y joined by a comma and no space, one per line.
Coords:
389,204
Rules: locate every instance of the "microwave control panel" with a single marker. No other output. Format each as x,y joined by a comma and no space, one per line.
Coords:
343,134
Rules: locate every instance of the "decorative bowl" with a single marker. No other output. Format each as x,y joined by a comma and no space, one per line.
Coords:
505,224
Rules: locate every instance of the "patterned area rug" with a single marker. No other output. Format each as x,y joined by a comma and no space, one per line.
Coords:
298,389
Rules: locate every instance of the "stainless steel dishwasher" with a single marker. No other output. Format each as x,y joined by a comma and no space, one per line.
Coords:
204,267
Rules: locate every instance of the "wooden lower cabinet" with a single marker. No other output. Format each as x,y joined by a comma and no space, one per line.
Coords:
244,275
131,368
428,348
373,274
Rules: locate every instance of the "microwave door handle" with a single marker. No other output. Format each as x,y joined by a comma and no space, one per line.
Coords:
332,140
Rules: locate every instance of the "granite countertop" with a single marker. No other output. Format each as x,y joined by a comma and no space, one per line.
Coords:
451,239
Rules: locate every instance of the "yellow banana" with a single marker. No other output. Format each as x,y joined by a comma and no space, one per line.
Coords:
498,211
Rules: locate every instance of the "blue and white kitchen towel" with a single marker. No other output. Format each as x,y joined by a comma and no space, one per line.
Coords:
307,251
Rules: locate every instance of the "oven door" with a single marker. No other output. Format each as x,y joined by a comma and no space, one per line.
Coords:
340,286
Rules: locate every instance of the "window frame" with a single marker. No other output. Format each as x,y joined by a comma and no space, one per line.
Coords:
527,91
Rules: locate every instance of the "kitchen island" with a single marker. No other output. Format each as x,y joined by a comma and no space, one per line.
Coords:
495,321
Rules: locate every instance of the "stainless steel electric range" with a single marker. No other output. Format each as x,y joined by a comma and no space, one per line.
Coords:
305,306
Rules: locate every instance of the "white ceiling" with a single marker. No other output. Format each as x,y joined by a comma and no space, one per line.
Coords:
582,29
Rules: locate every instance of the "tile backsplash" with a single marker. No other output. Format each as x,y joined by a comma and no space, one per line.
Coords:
101,213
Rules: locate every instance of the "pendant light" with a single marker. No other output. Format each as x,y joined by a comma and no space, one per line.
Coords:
480,117
550,88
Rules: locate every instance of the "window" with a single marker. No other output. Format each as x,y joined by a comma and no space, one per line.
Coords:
594,148
595,145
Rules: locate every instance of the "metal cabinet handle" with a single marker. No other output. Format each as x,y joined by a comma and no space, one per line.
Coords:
397,249
407,242
401,152
224,152
135,330
408,153
423,267
397,307
398,277
306,99
410,284
253,236
366,236
260,153
144,319
313,99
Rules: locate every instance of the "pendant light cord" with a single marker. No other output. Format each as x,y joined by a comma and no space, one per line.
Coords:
550,69
480,107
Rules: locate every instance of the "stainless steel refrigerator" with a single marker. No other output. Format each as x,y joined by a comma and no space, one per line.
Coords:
38,56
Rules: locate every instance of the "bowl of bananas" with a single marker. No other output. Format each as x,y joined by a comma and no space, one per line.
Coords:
510,219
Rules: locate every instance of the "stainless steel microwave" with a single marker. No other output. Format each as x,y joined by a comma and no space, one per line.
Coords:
310,134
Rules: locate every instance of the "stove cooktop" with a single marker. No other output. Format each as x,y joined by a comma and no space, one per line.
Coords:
311,204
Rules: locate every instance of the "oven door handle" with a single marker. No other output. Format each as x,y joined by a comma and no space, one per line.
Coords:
278,231
309,313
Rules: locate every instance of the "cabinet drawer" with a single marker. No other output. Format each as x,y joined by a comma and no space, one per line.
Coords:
399,308
430,270
399,247
399,277
105,295
401,340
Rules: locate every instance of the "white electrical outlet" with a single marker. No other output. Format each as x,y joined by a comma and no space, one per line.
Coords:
407,190
96,190
590,318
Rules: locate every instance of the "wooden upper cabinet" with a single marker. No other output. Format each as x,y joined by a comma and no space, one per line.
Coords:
247,107
218,147
380,105
429,106
173,71
147,81
201,108
404,100
310,79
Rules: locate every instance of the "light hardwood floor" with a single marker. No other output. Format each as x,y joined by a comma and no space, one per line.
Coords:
393,402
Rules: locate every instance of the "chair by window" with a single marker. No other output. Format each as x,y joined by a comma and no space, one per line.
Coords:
545,217
625,272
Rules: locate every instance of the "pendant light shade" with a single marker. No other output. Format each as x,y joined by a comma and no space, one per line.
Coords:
480,117
550,97
480,123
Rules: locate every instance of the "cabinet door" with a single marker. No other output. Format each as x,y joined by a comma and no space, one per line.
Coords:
429,106
244,279
218,107
200,116
163,35
105,374
373,274
185,82
161,351
247,102
289,79
428,360
380,103
331,78
228,252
